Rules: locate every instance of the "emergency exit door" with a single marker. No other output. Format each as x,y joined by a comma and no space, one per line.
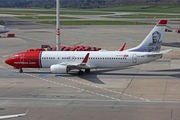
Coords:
134,58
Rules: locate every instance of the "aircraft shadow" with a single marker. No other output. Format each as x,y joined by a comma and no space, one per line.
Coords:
166,70
93,75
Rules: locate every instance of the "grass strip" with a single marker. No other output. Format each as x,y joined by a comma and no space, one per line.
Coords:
151,8
2,22
44,17
54,12
95,23
143,16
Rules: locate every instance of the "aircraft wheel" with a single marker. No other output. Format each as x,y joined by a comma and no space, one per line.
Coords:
80,72
87,70
21,70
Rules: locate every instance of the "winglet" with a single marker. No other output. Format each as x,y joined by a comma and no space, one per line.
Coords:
24,114
162,22
86,58
27,112
122,47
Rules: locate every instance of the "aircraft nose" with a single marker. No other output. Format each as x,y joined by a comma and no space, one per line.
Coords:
7,61
7,29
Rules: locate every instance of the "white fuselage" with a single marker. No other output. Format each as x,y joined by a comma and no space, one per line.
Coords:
107,59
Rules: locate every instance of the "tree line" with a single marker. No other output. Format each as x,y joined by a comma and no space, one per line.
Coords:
84,4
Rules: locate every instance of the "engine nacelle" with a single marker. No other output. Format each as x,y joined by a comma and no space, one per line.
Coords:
58,68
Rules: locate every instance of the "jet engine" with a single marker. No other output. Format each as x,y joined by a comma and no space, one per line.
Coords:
58,68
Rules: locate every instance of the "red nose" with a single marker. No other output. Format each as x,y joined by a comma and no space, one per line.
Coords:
7,61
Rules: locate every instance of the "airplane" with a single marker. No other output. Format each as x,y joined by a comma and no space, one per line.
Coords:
3,29
61,62
13,116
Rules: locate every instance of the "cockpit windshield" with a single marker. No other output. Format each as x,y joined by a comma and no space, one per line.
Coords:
12,57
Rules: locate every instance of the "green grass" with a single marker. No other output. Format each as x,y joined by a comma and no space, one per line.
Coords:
95,23
175,20
44,17
53,12
11,13
2,23
143,16
154,9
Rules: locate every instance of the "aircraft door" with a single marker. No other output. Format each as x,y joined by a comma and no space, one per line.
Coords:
22,58
134,58
73,58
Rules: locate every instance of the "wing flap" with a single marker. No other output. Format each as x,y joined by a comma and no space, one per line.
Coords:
83,64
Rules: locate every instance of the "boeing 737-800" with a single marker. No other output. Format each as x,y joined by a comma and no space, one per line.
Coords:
64,61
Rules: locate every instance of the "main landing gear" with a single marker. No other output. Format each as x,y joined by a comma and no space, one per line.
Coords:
20,70
87,70
82,72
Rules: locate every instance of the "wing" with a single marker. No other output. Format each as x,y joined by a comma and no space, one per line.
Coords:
82,65
13,116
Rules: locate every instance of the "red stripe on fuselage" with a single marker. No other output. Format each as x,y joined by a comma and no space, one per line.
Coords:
25,60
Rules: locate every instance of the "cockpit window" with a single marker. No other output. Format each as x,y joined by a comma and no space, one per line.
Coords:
12,57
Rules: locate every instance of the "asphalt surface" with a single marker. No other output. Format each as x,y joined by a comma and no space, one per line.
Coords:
149,91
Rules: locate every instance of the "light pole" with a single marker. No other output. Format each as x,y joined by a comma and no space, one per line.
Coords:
58,48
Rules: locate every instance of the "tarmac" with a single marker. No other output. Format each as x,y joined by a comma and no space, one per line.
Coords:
144,92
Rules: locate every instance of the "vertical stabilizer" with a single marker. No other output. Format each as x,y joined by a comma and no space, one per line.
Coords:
153,41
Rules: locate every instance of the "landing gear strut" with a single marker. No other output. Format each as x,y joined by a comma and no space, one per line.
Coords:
68,69
20,70
80,72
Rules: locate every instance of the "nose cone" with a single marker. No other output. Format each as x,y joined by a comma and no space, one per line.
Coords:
7,61
7,29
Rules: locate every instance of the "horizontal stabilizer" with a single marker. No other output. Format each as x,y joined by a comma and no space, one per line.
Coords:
159,53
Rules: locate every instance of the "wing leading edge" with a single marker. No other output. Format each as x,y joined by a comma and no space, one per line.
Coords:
82,65
13,116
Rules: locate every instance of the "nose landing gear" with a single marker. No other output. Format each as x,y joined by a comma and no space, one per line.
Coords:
20,70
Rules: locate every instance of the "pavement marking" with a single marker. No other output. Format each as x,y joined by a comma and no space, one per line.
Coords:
5,55
59,83
43,75
100,87
97,100
1,73
38,40
111,38
58,75
13,74
35,39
